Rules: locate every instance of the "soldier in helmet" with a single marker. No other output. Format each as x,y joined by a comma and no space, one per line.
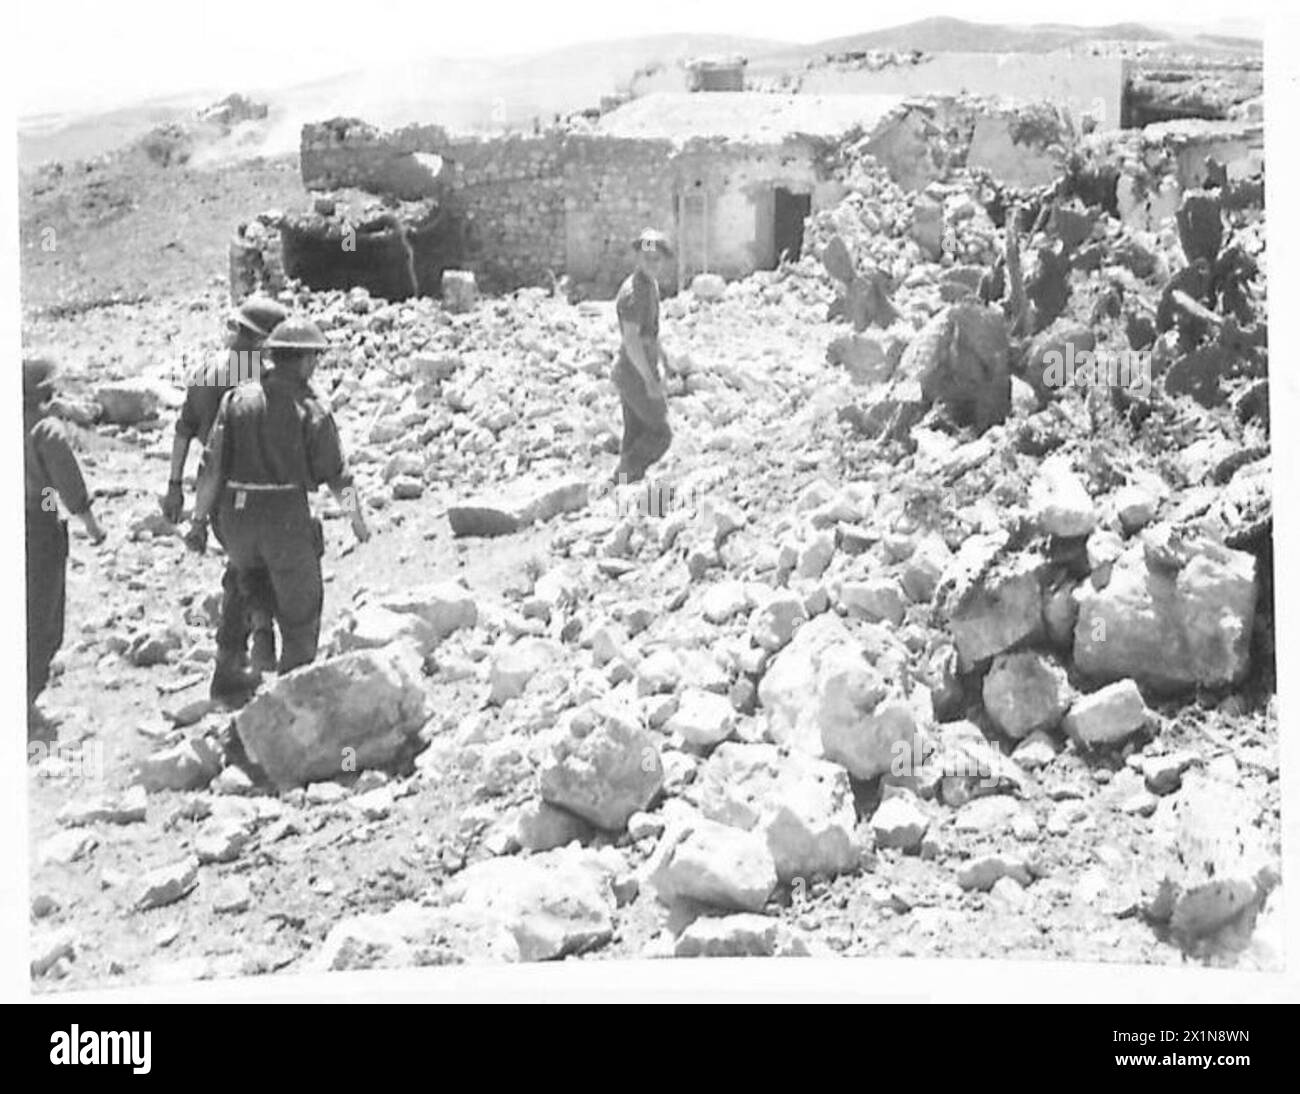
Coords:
272,444
51,471
246,606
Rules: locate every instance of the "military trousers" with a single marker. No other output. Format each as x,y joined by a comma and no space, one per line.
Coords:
47,576
273,530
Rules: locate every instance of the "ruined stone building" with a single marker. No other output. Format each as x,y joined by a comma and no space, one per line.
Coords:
730,177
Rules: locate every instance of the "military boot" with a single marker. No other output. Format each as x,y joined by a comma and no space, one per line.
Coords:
232,684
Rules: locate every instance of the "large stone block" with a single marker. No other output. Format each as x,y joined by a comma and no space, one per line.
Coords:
703,862
127,403
1024,692
606,776
1169,629
995,612
516,507
348,713
802,806
822,696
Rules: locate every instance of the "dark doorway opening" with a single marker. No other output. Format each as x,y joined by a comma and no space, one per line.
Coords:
789,213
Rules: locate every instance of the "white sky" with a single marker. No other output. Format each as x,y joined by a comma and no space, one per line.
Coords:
80,54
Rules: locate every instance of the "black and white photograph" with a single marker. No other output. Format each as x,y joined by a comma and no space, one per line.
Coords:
595,489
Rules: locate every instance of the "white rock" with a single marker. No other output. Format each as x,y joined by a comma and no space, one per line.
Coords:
876,600
168,884
1170,631
724,601
821,695
445,606
802,806
1108,716
816,555
515,666
1059,501
553,904
996,613
347,713
65,847
605,777
708,286
703,718
708,863
1024,692
900,822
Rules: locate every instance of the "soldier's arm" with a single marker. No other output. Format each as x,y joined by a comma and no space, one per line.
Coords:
64,473
187,428
212,468
325,453
631,308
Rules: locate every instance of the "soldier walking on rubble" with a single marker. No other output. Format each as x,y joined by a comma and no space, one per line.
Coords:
247,606
273,442
646,435
50,468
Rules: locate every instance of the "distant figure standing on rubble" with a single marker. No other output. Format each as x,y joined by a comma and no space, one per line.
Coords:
50,468
646,435
274,442
247,604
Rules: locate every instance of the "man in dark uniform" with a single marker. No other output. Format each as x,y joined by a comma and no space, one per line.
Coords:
51,469
245,607
646,435
273,442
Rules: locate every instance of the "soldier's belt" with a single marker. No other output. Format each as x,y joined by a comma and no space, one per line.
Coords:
241,490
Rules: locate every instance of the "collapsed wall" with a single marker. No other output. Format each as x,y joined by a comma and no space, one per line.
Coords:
1084,85
1141,175
505,193
394,251
926,139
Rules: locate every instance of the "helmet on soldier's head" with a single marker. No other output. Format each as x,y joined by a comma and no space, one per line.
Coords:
38,380
259,315
653,241
298,334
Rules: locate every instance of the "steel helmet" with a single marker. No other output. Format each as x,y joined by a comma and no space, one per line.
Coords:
38,380
297,334
260,314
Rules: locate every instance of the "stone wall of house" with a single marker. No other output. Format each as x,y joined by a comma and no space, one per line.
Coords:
613,188
741,182
531,208
509,194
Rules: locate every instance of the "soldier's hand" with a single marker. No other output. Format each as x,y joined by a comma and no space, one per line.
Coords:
173,502
196,539
93,530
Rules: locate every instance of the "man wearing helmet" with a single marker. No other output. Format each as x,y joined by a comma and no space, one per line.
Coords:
51,470
273,442
246,605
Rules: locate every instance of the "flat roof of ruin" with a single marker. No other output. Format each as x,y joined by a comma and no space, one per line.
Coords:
755,117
